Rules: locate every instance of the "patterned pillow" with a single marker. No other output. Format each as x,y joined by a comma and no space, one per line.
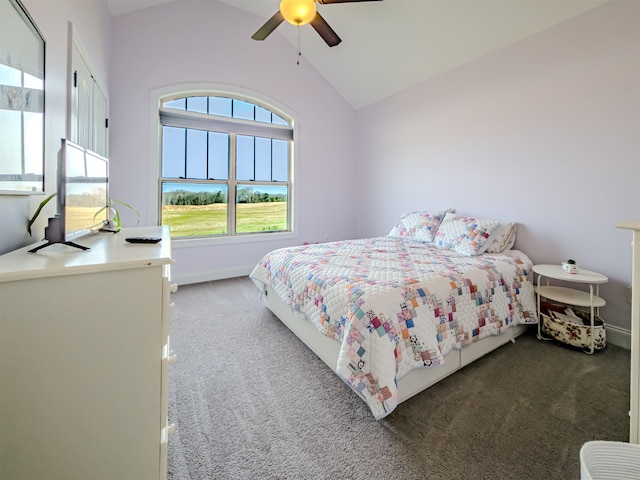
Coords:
466,235
420,226
504,239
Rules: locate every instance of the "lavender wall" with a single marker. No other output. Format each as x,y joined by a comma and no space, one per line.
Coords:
208,42
91,23
544,133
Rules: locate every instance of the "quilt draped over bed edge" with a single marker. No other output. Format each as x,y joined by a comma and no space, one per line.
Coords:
397,304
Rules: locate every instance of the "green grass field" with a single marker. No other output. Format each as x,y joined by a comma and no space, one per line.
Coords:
79,218
186,220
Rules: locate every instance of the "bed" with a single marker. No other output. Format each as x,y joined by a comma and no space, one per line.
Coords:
393,315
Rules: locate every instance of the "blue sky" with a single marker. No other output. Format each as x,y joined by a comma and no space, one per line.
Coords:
207,156
202,155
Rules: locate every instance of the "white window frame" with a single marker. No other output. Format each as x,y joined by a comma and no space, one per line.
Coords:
155,150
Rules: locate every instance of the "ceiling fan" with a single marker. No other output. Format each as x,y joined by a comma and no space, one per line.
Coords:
301,12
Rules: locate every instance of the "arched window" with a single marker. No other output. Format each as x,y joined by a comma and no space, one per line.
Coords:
225,166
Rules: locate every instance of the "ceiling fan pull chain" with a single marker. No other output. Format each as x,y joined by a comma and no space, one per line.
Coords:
299,48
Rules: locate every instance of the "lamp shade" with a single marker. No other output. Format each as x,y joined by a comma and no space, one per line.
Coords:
298,12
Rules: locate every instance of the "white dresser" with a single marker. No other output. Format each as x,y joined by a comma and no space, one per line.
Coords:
84,354
634,413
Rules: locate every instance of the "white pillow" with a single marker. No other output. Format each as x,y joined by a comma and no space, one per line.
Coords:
504,239
466,235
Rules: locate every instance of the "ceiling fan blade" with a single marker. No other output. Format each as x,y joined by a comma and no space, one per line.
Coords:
327,2
325,31
271,24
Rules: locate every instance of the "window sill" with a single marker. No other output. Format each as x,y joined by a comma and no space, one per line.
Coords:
20,192
182,242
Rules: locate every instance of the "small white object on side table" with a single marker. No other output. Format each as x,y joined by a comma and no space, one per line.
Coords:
570,296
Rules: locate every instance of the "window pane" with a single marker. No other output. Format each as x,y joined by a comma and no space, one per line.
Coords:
243,110
197,104
261,209
33,142
280,161
220,106
279,120
196,154
33,82
193,209
10,122
10,76
263,115
218,156
245,158
178,104
263,159
173,148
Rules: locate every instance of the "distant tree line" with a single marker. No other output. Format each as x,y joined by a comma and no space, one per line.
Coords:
245,195
184,197
248,195
85,199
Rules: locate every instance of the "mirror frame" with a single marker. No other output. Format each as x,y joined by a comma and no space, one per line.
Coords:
23,99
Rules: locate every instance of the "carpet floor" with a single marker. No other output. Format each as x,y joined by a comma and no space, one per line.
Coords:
251,401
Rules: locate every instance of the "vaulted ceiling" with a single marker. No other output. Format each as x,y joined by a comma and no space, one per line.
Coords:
390,45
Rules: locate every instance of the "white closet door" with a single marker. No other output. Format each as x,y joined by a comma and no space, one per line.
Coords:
99,123
88,105
81,101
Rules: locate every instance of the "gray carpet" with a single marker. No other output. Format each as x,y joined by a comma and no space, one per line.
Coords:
251,401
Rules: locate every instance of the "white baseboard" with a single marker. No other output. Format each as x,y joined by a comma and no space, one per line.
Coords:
620,337
214,275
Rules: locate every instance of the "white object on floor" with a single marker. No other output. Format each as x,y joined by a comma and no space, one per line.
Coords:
607,460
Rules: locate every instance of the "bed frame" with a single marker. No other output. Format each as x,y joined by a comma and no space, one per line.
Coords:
412,383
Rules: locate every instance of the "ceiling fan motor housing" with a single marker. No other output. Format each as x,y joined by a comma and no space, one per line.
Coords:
298,12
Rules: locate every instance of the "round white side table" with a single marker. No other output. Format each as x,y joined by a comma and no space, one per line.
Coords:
571,296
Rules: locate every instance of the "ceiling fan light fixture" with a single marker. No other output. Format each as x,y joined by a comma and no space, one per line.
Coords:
298,12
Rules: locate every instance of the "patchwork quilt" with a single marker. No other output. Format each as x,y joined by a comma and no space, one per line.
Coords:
396,304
